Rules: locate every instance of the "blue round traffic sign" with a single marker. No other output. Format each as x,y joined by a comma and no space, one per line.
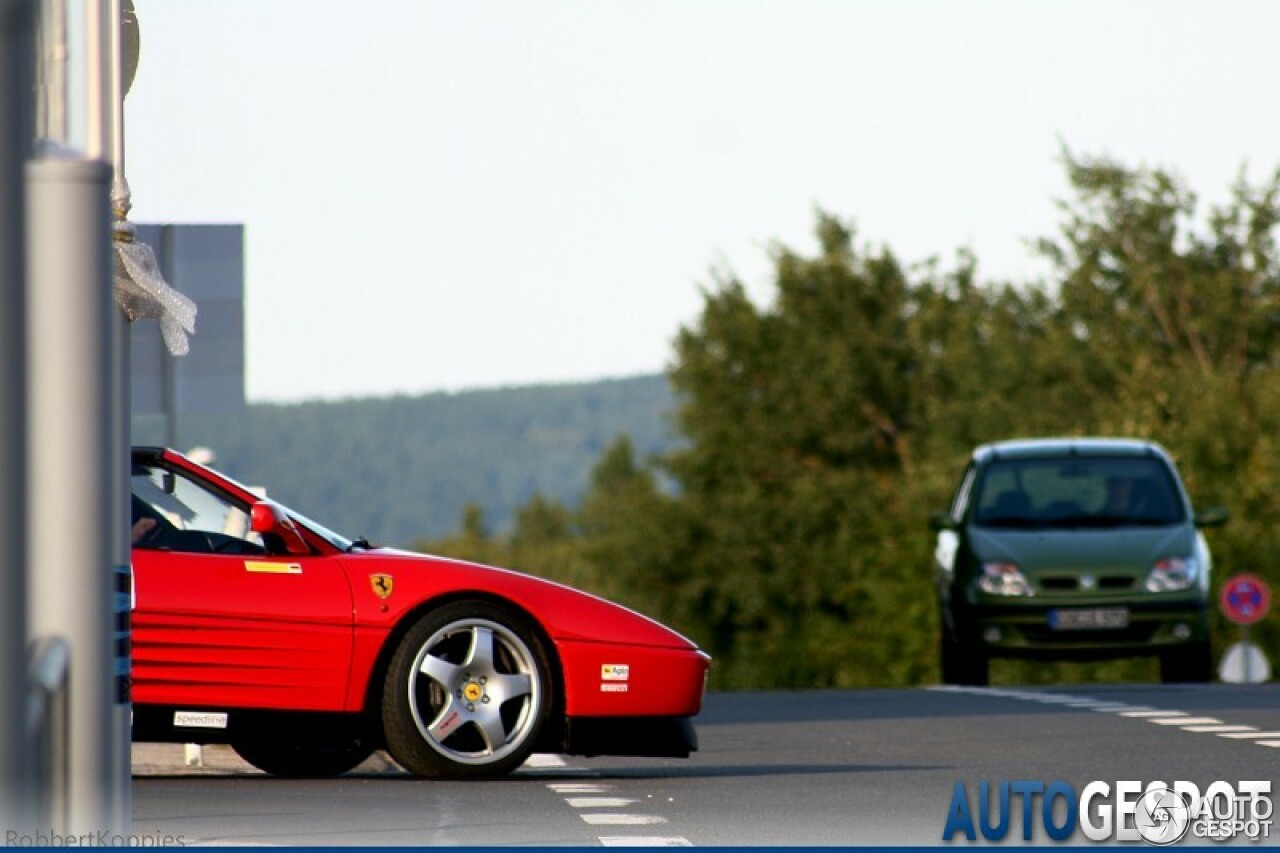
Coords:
1245,599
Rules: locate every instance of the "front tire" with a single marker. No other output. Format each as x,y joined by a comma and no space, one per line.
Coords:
293,760
467,693
962,662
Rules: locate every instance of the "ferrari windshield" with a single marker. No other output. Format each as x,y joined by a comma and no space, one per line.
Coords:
1078,491
337,540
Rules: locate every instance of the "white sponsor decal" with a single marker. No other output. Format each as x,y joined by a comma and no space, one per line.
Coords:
613,688
615,672
199,720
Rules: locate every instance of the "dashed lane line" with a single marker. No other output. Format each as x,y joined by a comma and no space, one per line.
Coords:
1186,721
589,796
1217,730
1160,717
621,819
599,802
579,788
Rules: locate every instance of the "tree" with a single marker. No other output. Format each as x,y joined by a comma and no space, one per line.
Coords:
798,417
1178,318
472,542
786,532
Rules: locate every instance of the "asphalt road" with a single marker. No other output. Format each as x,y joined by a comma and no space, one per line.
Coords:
804,768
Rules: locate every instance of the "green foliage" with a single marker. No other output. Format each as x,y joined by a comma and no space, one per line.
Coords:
399,469
786,533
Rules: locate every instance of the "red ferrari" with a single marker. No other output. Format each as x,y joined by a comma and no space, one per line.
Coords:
306,651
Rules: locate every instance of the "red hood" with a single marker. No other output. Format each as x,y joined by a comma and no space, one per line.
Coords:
566,613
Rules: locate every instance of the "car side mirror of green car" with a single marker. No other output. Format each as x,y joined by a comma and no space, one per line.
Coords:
941,521
1214,516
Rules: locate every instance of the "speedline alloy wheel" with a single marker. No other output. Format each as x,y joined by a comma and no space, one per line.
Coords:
467,693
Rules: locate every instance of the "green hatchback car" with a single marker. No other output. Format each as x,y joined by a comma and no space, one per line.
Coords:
1073,549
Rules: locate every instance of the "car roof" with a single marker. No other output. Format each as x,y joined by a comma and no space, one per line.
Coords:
1033,448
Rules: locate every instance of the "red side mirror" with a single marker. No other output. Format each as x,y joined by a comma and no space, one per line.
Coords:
269,517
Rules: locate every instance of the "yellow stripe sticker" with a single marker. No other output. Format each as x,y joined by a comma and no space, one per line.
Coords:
273,568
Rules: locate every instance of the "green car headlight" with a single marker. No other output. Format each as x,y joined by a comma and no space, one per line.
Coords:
1172,574
1003,579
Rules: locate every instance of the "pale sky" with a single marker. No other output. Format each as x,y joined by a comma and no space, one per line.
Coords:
446,194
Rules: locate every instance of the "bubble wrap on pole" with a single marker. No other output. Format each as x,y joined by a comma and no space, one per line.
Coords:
140,290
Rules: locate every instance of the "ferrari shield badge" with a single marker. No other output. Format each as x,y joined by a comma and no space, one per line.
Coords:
382,585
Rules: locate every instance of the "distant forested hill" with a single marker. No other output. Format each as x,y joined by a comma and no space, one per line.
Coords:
400,469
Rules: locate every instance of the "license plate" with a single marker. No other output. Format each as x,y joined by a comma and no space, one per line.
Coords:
1091,619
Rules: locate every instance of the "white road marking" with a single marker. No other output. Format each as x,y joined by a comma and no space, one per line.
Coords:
618,819
1217,730
580,787
644,841
1181,719
1186,721
599,802
595,818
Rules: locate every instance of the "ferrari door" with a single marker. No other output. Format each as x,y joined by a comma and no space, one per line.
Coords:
219,621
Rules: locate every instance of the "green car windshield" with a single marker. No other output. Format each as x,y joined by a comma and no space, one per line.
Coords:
1079,491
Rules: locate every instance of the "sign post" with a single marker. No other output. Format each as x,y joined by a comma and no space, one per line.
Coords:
1245,600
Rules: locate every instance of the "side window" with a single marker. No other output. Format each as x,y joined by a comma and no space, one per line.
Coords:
174,513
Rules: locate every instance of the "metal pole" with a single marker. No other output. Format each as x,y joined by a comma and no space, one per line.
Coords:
70,462
98,81
1248,658
120,201
168,361
48,724
51,72
16,135
118,441
121,805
